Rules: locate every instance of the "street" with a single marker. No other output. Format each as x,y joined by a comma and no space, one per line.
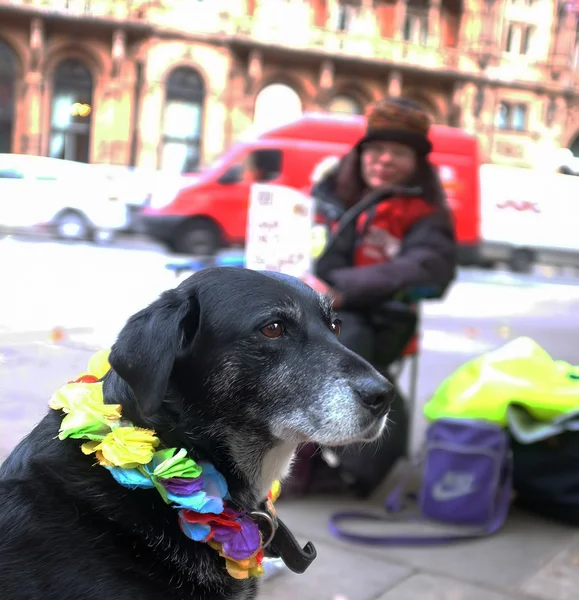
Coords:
61,301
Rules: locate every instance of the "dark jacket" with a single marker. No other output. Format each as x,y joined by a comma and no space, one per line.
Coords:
423,267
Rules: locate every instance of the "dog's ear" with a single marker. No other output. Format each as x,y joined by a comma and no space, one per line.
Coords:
147,346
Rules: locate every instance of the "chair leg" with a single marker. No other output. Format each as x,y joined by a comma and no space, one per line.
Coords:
394,371
412,399
413,381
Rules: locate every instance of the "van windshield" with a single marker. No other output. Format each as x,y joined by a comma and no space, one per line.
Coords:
230,157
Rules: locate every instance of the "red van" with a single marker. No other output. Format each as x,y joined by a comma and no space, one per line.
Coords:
211,210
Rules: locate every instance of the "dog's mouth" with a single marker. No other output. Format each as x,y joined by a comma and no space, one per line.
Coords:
369,434
375,430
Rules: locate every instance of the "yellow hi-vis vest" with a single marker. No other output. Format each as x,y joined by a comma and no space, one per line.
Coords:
520,372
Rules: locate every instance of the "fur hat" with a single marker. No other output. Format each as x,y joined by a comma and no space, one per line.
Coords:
398,120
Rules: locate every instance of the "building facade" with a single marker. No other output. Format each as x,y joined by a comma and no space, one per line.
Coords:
172,83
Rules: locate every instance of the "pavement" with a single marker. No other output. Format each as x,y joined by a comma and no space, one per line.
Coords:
88,292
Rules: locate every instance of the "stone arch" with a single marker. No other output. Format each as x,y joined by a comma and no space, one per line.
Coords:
187,64
354,91
19,50
344,103
66,51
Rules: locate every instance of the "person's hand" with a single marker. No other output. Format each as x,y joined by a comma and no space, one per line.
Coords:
316,284
323,288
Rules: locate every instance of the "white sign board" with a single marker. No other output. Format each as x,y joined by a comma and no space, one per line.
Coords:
279,230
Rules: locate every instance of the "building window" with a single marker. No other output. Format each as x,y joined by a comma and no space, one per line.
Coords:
416,23
345,104
511,116
72,109
518,38
7,83
185,96
346,14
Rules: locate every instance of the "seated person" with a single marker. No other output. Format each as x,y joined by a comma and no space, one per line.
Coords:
399,246
400,249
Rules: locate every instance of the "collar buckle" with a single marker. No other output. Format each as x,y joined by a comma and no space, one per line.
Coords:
270,520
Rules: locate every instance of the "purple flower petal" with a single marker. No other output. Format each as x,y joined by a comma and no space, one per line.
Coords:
222,533
244,543
182,486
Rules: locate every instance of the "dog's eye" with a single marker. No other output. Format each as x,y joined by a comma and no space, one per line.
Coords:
336,327
273,330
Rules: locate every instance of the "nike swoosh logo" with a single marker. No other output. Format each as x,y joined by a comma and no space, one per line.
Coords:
441,493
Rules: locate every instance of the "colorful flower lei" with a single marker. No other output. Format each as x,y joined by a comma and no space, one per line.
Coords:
134,458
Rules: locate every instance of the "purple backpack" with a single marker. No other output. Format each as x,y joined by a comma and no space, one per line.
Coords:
466,480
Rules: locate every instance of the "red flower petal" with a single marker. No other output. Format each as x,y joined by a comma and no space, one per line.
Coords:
225,519
86,379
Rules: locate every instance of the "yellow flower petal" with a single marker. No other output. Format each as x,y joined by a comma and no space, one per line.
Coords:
77,395
90,447
129,447
256,571
60,400
94,447
237,569
98,365
275,490
87,397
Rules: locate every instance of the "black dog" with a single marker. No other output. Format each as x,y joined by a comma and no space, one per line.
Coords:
236,366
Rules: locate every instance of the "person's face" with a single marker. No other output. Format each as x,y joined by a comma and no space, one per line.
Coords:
387,163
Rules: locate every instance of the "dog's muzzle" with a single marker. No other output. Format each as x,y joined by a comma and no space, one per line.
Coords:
376,395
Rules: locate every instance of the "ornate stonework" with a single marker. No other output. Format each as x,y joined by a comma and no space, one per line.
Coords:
516,92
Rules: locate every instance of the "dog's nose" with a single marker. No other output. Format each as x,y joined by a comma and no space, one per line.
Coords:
376,394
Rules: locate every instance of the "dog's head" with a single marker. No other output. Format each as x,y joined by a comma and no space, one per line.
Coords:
239,362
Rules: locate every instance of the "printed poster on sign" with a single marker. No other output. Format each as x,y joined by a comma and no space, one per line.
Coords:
279,230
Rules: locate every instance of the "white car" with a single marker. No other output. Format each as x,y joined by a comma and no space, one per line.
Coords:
136,186
65,196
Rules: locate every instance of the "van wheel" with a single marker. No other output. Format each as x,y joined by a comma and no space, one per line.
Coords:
198,238
487,265
71,225
522,261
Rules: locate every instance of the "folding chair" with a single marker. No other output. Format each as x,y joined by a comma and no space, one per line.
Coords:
410,356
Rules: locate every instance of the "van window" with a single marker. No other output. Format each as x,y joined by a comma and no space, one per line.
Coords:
260,165
265,164
233,175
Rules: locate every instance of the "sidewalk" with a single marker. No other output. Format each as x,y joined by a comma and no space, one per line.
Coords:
530,559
